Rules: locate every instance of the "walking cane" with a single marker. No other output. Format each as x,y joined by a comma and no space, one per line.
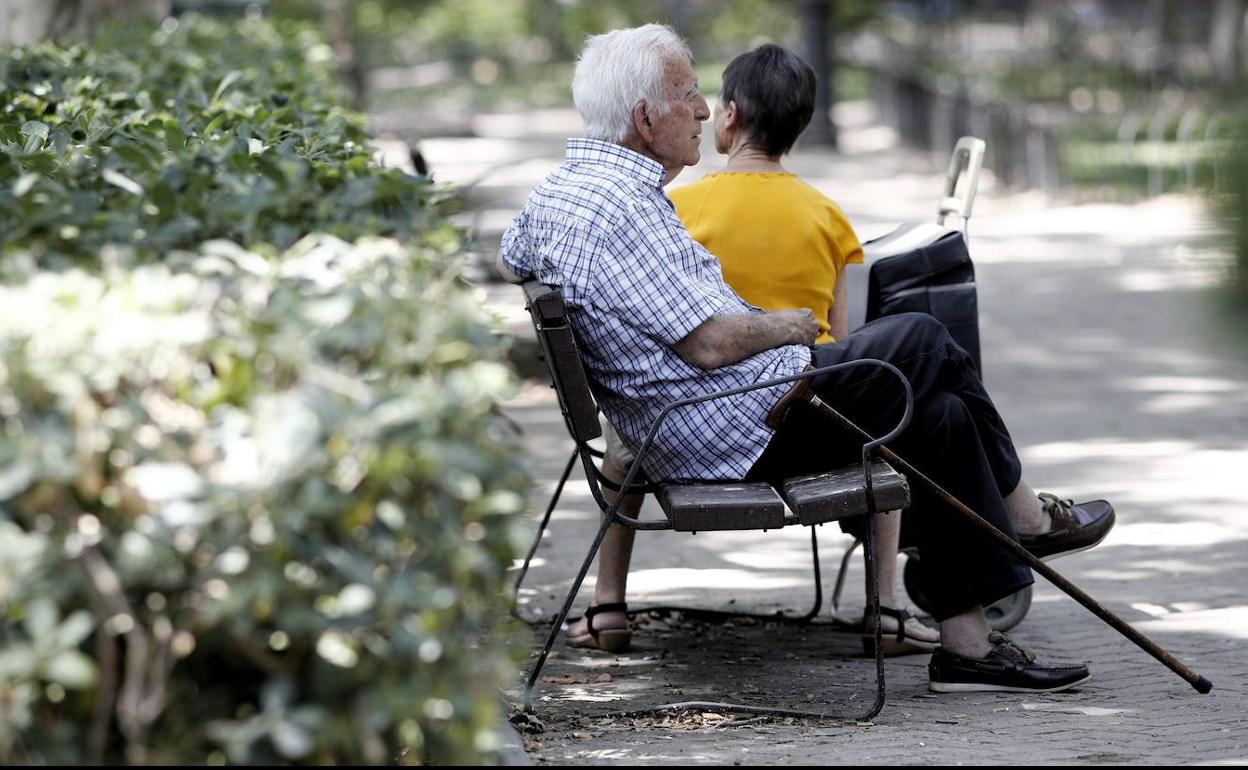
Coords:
1201,684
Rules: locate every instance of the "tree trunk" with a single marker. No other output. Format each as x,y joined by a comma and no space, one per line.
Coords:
1226,32
818,33
23,22
338,28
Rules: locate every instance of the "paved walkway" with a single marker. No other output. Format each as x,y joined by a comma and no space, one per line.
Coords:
1119,376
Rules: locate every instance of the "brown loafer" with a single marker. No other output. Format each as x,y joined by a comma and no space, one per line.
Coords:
1076,527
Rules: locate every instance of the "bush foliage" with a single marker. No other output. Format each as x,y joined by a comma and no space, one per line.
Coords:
256,495
201,131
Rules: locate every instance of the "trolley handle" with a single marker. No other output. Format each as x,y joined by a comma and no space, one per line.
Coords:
967,160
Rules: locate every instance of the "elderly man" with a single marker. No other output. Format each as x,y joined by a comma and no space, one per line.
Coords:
656,323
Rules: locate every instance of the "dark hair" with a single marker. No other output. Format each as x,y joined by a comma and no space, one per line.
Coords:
774,89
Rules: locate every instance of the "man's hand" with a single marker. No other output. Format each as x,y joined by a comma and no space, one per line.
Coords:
803,326
726,339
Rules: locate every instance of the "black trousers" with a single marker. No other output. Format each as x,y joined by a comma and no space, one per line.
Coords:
955,436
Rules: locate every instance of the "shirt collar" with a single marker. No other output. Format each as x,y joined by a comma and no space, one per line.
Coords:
635,164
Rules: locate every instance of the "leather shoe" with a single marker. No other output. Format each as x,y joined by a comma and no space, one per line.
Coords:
1008,668
1076,527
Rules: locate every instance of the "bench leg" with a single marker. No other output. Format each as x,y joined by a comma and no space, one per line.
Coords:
537,540
873,608
607,520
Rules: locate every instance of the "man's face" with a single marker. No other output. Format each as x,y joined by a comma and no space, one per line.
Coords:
678,134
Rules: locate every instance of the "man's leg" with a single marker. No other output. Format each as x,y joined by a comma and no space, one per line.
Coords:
1077,526
957,438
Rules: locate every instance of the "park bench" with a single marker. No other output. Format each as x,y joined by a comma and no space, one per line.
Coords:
707,506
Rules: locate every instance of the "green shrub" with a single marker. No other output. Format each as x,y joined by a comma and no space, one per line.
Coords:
1231,202
256,500
277,495
200,130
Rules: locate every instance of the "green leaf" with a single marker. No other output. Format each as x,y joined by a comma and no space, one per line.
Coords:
214,124
175,137
35,128
71,669
75,629
291,740
33,143
230,79
121,180
40,622
17,661
24,184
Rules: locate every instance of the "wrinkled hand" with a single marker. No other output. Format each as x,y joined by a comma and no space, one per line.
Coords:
803,328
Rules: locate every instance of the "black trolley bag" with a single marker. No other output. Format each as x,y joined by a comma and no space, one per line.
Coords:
925,267
936,278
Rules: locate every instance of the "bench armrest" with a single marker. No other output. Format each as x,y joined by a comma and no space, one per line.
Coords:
867,448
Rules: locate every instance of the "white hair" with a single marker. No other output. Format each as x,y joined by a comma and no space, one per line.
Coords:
618,69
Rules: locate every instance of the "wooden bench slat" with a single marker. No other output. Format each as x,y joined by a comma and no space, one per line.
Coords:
720,506
840,494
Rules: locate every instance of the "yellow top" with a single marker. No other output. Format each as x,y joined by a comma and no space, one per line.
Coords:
781,242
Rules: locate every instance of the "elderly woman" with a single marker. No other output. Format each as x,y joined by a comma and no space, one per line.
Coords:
783,244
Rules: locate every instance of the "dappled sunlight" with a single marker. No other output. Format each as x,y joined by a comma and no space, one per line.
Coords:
1162,280
1140,569
1226,622
1099,448
1159,219
587,694
460,160
1067,708
565,513
689,579
1179,403
1177,534
605,663
525,173
796,555
1203,482
557,122
1183,385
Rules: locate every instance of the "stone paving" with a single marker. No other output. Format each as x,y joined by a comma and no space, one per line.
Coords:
1107,351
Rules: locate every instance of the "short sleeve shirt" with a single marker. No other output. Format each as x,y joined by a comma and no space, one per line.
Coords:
635,283
780,242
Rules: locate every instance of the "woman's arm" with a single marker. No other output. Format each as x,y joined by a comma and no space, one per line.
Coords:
838,316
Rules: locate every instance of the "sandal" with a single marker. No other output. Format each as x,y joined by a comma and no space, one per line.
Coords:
895,643
607,639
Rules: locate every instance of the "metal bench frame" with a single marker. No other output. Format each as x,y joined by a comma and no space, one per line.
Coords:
580,412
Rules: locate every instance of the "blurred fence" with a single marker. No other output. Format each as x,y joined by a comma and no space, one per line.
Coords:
1048,147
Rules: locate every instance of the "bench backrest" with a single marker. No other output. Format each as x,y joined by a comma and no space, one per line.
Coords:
554,334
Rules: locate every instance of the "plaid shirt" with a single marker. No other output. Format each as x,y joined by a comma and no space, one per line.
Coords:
635,283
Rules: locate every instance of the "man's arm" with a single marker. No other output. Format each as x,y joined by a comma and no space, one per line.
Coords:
726,339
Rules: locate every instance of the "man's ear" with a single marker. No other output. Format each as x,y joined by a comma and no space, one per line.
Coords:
641,121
